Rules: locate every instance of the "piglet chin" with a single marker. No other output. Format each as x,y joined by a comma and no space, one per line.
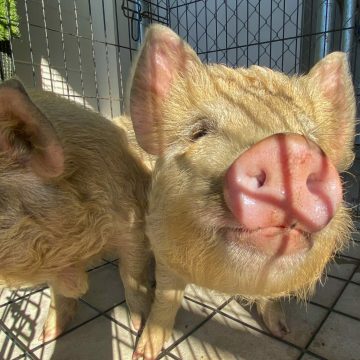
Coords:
272,241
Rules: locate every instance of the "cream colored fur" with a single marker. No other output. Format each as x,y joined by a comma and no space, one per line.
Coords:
52,228
172,96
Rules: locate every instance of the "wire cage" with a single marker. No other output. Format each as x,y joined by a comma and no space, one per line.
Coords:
83,50
290,36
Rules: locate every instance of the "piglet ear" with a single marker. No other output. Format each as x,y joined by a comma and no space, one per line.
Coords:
26,135
331,76
162,57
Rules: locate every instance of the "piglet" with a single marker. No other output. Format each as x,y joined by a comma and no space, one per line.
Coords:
246,196
71,188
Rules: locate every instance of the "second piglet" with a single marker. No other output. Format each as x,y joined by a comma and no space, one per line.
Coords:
246,196
71,188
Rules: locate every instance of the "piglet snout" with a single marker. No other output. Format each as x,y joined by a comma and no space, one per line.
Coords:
283,181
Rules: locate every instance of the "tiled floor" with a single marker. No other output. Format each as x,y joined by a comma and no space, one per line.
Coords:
209,325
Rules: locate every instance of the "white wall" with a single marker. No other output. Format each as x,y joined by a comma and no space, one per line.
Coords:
71,58
91,67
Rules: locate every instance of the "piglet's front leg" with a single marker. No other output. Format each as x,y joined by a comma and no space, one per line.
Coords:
168,296
273,316
65,292
62,311
135,265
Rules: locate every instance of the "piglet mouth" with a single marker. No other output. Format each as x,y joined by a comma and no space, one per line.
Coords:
274,241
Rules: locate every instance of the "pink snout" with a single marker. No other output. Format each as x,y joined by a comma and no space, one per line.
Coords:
283,181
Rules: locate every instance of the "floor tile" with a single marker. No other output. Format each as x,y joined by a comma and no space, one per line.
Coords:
223,338
353,250
308,357
349,302
357,224
342,267
303,319
121,314
99,339
105,288
25,318
338,339
7,295
244,313
188,317
169,357
95,264
8,349
328,291
356,277
356,235
206,296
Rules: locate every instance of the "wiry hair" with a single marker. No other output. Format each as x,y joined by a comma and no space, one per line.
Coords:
239,107
48,226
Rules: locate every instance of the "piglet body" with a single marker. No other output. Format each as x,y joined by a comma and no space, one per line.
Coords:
71,188
246,196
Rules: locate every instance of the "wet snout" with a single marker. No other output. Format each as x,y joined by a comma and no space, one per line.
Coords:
283,181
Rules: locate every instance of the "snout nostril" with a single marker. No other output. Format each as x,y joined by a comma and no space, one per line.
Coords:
285,184
261,179
312,182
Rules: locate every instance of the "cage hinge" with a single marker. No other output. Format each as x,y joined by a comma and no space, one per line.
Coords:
137,11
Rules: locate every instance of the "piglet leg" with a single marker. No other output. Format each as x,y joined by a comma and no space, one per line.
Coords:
135,270
273,316
65,292
168,296
61,312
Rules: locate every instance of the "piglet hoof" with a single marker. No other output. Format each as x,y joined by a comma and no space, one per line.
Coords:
139,312
61,313
49,333
136,321
278,327
151,342
138,355
139,305
274,317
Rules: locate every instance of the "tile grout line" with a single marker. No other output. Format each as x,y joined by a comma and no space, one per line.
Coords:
113,262
98,266
218,310
342,279
16,341
28,351
347,257
187,297
264,332
32,292
12,301
172,356
182,338
104,313
98,315
329,311
334,310
117,322
268,334
64,333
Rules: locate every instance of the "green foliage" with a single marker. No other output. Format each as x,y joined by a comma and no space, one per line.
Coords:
9,19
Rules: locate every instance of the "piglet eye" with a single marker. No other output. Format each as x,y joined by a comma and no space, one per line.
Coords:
198,133
201,129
